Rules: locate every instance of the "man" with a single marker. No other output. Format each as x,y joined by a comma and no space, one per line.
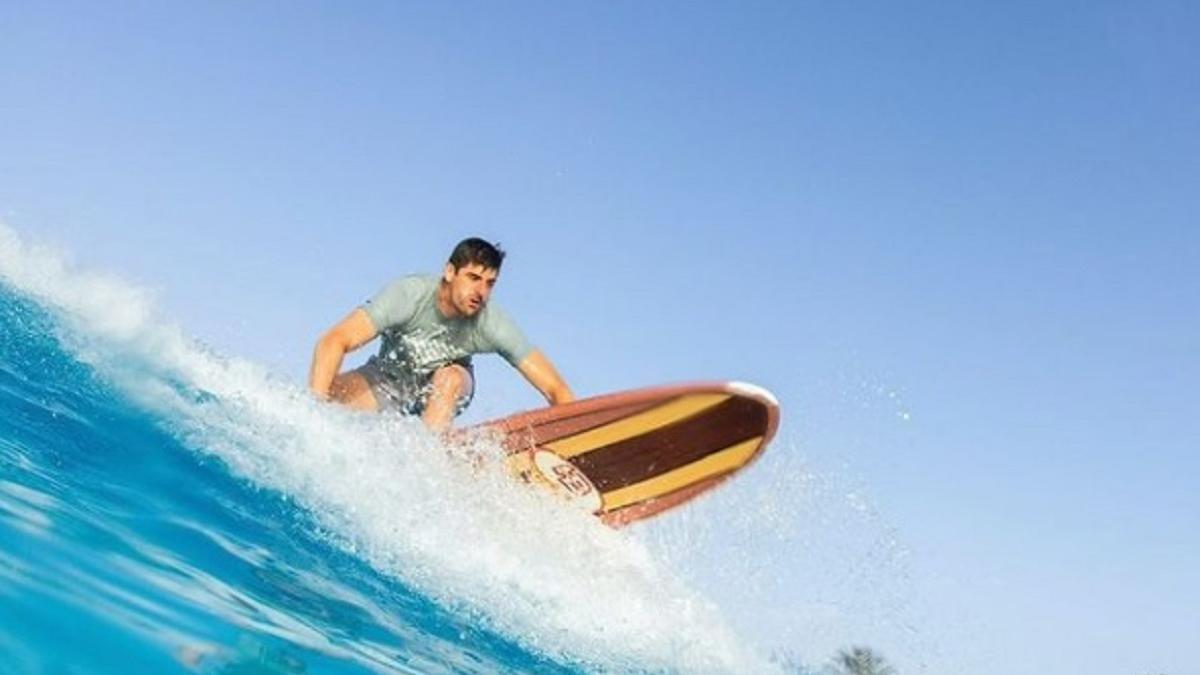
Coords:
431,327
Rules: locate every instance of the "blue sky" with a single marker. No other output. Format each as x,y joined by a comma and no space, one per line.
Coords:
958,239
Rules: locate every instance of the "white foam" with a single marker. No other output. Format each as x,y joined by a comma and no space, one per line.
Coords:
539,572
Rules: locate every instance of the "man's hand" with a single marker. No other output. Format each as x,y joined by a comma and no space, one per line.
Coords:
354,331
541,374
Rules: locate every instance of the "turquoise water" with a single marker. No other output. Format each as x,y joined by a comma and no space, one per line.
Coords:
164,508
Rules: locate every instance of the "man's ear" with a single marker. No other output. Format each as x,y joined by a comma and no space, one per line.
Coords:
448,273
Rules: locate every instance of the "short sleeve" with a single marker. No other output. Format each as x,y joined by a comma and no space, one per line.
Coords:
504,337
396,304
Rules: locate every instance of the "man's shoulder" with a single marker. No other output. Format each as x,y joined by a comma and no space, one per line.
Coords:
418,280
400,299
503,335
493,316
413,284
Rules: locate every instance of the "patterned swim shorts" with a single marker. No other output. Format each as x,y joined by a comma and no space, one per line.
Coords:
409,395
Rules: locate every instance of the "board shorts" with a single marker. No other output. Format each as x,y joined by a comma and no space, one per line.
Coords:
409,395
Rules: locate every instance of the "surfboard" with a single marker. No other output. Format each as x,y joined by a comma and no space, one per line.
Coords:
635,454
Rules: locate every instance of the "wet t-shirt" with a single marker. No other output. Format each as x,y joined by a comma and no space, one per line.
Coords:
417,339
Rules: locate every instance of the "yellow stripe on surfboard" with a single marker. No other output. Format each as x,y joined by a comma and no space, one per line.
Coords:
722,461
636,425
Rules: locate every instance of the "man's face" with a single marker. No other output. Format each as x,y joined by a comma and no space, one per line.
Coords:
470,287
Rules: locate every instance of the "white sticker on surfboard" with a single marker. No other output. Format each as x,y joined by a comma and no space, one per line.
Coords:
567,480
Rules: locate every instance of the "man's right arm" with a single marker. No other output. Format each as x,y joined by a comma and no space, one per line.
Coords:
354,331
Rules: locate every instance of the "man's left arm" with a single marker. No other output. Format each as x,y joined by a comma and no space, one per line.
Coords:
542,374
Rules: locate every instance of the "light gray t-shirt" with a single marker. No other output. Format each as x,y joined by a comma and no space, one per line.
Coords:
417,339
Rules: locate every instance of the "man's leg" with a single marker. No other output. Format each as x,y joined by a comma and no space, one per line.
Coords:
448,385
352,389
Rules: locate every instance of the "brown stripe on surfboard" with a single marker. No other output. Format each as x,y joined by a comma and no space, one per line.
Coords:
670,447
540,433
651,507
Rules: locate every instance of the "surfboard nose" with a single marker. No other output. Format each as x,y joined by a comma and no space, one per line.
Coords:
753,391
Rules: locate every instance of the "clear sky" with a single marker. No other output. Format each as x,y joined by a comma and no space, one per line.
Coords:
959,240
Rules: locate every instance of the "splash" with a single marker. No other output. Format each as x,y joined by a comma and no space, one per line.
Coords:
382,488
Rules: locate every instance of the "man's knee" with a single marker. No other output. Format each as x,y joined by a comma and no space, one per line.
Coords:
453,380
352,389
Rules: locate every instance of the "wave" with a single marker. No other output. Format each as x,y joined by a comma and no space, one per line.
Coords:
441,521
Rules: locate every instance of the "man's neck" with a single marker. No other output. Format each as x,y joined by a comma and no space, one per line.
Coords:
445,307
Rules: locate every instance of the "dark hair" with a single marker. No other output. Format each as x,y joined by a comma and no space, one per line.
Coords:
475,251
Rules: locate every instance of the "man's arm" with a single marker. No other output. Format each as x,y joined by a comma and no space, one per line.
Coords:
541,374
354,331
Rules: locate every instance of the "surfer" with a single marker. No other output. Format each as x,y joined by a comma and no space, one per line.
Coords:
431,326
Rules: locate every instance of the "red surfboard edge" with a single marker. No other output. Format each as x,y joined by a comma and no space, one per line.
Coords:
520,432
